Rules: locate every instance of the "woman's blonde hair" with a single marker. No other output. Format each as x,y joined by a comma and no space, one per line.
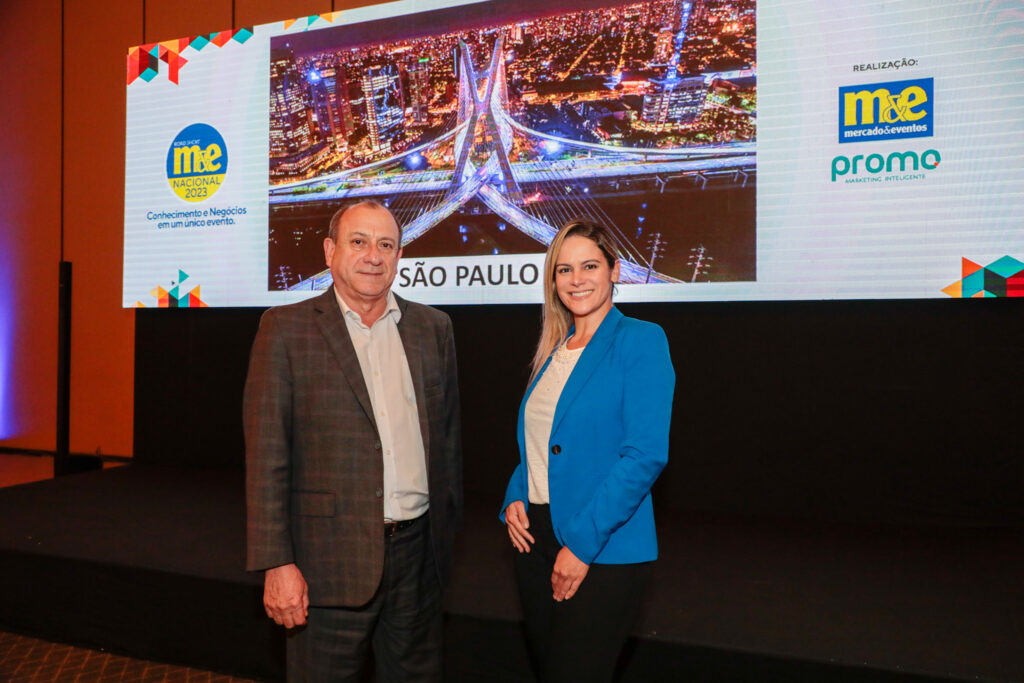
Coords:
557,319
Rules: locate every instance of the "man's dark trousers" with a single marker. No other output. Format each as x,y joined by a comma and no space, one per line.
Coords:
402,623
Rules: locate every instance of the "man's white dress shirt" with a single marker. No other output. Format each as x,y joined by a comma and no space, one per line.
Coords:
389,383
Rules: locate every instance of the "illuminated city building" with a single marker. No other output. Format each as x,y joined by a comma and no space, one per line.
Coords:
303,164
323,106
673,102
355,100
682,10
385,109
290,130
663,46
342,122
420,94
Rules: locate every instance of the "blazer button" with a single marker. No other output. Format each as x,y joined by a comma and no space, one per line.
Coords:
376,446
556,449
380,493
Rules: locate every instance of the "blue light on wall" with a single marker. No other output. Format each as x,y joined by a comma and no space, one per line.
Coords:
8,423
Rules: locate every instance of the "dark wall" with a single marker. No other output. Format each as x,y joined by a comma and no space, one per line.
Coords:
190,367
879,410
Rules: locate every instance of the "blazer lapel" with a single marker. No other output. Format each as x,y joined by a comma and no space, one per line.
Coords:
589,360
332,325
414,356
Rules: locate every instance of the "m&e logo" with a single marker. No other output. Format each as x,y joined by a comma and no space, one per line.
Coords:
886,111
197,162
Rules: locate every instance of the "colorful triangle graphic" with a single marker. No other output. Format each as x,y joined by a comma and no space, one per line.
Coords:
954,290
968,267
220,38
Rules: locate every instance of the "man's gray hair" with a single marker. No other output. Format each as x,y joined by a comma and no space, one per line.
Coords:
332,230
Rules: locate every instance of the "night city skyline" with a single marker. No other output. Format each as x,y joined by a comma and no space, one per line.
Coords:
601,61
633,93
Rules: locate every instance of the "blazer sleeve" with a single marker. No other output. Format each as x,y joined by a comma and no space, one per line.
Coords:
646,417
267,421
514,491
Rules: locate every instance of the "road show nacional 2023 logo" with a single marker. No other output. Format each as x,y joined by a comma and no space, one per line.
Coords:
886,111
197,162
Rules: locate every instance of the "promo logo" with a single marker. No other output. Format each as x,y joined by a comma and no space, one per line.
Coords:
893,167
886,111
197,162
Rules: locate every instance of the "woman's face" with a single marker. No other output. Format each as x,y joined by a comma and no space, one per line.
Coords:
583,279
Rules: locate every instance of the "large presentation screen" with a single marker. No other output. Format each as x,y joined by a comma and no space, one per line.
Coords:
793,149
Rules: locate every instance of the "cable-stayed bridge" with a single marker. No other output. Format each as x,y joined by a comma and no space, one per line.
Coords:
490,157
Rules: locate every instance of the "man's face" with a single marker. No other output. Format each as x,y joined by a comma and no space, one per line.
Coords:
364,259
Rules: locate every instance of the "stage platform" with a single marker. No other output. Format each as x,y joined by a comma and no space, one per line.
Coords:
148,560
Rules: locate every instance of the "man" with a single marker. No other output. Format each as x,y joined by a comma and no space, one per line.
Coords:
353,464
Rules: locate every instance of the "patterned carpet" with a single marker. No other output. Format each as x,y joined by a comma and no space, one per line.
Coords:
28,660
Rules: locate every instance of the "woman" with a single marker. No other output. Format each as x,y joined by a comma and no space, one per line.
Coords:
593,437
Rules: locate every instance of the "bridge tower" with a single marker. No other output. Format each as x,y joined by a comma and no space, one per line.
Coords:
489,112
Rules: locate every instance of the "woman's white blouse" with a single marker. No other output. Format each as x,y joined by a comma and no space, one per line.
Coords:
540,413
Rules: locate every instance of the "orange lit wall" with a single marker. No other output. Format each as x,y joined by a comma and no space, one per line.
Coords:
29,222
88,88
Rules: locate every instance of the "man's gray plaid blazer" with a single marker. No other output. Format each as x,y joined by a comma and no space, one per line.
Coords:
314,474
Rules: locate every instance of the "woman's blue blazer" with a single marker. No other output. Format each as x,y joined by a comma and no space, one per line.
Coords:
609,442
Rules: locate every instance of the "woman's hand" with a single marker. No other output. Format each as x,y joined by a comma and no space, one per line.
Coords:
568,574
517,524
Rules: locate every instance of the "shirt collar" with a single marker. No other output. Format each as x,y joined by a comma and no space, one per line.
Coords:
392,308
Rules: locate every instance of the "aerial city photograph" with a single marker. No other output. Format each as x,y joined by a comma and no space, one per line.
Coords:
485,139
